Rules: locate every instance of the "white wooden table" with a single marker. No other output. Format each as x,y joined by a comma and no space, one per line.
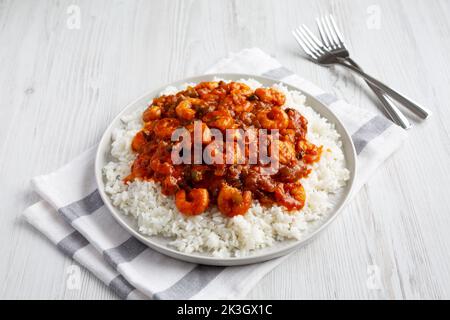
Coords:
60,85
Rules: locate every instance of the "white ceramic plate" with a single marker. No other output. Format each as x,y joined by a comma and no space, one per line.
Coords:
279,248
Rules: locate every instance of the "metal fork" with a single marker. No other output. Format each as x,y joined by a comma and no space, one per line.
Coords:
328,21
333,51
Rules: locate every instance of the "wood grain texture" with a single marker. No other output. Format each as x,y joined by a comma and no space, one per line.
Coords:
60,87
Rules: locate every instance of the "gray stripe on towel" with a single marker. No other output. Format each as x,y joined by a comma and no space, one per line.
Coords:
190,284
121,286
370,130
82,207
278,73
326,98
125,252
72,243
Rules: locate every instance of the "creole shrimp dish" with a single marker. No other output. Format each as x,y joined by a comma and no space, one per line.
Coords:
225,168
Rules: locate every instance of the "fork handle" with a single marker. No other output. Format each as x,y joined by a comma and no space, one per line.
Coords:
391,109
408,103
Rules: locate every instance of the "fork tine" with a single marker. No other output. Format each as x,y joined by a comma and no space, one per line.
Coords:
306,42
315,39
323,35
315,43
309,42
328,33
302,44
336,30
332,33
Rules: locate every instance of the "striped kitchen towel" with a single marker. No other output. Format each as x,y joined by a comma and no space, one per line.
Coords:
73,216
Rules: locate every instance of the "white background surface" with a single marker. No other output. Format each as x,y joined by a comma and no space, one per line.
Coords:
59,88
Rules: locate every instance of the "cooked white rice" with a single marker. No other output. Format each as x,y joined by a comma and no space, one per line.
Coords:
212,232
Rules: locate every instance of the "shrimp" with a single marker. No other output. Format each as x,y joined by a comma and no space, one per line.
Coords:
220,119
140,168
237,98
236,102
297,122
210,85
270,95
152,113
138,142
288,135
242,107
231,201
204,88
193,204
185,110
240,88
291,195
205,132
285,151
165,127
310,152
161,167
275,118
